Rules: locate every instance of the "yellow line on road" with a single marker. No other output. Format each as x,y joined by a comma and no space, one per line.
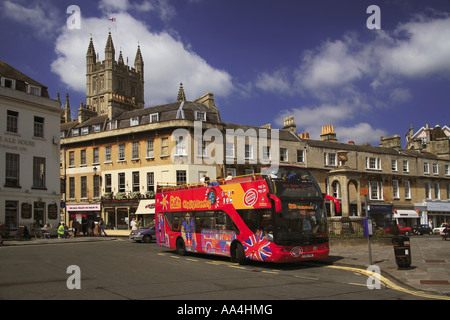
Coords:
388,283
272,272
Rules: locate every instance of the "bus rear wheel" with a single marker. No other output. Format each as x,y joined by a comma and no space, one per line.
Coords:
238,254
181,248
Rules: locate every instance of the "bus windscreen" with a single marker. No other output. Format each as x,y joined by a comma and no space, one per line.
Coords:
293,182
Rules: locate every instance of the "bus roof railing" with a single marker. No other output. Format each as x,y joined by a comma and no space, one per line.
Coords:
171,186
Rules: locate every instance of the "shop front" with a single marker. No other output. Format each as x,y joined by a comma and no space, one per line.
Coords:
407,218
145,213
88,211
436,211
118,214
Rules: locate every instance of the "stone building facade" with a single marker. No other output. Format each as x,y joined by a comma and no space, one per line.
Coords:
29,145
114,155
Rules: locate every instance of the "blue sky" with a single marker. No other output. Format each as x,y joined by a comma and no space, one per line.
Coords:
263,59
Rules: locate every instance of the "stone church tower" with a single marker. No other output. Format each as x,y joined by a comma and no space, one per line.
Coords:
113,87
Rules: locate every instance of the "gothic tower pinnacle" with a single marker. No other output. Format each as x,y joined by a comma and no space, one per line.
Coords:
113,87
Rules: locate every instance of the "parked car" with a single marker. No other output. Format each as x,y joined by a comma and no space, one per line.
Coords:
438,230
403,230
145,234
421,229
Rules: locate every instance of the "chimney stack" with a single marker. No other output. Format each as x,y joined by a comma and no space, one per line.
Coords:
289,124
304,135
328,133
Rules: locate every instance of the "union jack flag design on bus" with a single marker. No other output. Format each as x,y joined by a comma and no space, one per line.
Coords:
257,248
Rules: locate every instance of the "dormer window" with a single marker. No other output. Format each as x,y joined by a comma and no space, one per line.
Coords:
34,90
96,128
154,117
75,132
111,125
84,130
200,116
8,83
134,121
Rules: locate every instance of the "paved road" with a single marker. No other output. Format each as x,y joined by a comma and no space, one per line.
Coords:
125,270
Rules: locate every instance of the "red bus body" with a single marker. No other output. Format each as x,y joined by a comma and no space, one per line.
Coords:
245,216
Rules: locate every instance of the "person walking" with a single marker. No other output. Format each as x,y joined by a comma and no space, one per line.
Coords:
84,225
101,225
134,224
91,226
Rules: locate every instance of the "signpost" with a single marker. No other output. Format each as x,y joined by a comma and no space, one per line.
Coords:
367,222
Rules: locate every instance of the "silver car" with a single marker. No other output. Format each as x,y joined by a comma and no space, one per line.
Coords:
145,234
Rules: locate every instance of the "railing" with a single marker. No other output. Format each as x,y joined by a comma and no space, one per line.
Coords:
345,225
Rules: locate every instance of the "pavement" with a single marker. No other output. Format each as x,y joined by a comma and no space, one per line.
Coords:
429,271
430,263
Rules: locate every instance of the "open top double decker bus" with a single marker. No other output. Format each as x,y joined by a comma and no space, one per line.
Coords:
275,216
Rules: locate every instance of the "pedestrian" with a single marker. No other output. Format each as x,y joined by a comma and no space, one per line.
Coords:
101,225
134,224
61,230
91,226
84,225
430,224
75,225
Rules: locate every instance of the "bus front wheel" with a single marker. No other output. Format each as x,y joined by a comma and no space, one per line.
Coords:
238,254
181,248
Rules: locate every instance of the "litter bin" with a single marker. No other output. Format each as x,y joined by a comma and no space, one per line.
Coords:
402,251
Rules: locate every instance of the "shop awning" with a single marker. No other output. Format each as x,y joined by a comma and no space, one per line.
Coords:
406,214
146,207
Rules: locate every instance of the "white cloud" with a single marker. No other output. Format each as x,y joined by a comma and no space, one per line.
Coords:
360,133
114,5
414,49
166,60
43,19
401,95
338,74
311,120
425,50
165,10
340,113
333,64
275,82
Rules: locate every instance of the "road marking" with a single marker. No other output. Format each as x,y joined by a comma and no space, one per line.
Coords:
307,278
357,284
238,267
389,284
272,272
385,281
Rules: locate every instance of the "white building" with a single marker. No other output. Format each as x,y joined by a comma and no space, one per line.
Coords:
29,152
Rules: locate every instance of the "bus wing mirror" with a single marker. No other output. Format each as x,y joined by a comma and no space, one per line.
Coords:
335,201
277,203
